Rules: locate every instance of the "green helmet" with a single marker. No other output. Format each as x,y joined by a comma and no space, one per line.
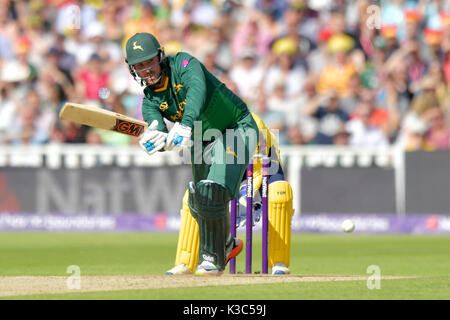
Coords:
141,47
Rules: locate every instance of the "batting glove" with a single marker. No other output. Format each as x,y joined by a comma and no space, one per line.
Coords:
179,136
153,140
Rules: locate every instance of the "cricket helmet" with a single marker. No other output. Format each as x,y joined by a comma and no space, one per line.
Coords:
141,47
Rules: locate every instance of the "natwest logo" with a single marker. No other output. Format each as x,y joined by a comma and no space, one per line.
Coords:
127,127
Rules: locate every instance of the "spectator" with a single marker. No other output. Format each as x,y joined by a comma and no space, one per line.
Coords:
66,62
362,130
218,37
252,34
305,104
318,58
436,73
412,26
272,118
398,92
413,133
416,65
93,136
109,15
92,79
75,45
303,64
351,99
298,15
438,134
27,129
208,57
204,12
377,117
426,98
389,32
141,19
375,71
284,69
341,138
22,48
71,131
292,19
275,9
337,74
330,118
295,135
7,34
47,109
8,108
50,75
247,74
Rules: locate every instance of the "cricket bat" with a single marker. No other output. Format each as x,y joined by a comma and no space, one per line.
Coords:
100,118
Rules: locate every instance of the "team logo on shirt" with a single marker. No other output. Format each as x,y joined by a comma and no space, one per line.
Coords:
185,62
229,151
177,87
164,106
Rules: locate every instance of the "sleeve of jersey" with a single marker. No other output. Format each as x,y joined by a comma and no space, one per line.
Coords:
150,112
193,79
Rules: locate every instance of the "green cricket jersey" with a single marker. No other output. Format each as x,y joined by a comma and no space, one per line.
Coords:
191,93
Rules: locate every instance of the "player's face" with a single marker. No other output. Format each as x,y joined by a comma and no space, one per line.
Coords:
149,70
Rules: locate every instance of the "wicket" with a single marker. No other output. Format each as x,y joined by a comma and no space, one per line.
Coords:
249,218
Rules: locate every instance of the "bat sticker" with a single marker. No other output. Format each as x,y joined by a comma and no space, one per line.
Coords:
127,127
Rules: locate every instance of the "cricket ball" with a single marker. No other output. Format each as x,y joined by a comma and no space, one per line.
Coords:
348,226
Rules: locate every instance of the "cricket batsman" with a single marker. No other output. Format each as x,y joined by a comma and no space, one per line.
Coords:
280,212
210,120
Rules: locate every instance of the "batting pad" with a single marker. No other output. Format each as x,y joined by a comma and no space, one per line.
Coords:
188,237
280,222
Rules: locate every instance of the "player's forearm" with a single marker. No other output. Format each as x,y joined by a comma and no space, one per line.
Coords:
195,102
149,114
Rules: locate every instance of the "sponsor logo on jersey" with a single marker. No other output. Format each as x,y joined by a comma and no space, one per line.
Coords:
177,87
129,128
180,112
185,62
164,106
177,116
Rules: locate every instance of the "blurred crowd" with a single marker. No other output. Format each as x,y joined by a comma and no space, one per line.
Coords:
357,72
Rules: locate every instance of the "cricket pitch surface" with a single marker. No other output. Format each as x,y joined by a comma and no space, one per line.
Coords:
27,285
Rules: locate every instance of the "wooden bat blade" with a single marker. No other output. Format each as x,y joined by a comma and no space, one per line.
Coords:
100,118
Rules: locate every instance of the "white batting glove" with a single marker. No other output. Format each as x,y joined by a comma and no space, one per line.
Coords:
153,140
179,136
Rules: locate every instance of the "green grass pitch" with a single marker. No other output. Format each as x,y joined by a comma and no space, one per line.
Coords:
49,254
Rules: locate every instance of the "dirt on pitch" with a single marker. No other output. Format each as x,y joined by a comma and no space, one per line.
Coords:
26,285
